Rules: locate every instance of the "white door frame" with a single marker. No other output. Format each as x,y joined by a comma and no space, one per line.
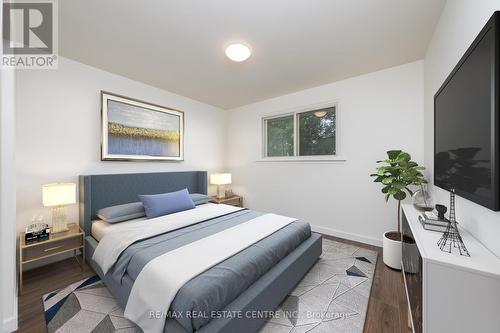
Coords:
8,278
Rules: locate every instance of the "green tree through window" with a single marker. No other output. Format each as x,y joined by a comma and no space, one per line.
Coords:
317,132
280,136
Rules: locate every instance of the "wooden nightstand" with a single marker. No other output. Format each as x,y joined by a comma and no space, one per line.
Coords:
62,242
234,200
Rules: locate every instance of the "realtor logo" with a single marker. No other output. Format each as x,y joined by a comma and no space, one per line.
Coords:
29,35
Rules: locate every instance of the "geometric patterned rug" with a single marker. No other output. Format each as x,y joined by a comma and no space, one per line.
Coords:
83,307
332,297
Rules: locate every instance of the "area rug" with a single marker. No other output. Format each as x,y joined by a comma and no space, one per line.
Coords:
332,297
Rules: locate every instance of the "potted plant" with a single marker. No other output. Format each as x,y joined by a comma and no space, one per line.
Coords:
396,174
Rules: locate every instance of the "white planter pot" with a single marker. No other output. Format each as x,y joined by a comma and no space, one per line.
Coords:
392,252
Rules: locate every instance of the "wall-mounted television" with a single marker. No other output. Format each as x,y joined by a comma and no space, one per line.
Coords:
466,122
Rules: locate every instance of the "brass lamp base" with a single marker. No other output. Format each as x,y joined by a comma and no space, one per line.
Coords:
221,192
55,231
59,231
59,219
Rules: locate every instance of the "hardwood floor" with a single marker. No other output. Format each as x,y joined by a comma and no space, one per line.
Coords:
387,311
40,281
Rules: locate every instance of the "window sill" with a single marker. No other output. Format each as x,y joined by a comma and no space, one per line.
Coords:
300,159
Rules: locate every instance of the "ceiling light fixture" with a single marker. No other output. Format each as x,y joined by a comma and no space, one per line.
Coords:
320,114
238,52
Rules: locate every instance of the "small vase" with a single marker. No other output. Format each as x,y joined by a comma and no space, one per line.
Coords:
422,199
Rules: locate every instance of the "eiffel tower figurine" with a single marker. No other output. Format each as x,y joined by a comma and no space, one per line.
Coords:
451,237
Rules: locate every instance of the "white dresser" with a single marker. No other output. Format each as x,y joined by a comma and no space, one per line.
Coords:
448,292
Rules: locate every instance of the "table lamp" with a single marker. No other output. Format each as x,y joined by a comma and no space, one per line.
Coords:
58,195
220,179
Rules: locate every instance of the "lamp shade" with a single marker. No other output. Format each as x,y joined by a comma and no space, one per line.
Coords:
58,194
220,178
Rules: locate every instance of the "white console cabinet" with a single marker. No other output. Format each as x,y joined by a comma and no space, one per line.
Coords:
449,292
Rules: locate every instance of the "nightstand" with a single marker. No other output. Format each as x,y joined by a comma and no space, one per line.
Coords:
234,200
61,242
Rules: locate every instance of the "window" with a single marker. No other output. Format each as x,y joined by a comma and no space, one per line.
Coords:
309,133
316,132
279,135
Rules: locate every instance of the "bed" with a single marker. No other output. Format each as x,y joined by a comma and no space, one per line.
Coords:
236,294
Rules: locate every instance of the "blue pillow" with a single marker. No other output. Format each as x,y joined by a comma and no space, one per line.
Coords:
120,213
166,203
199,199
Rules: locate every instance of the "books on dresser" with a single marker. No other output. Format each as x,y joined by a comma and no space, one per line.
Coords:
430,221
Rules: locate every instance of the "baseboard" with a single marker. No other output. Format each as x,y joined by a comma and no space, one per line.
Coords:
9,325
347,235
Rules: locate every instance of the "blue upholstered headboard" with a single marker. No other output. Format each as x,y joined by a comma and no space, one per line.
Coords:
99,191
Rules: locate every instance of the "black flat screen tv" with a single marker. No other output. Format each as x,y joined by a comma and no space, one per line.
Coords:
466,122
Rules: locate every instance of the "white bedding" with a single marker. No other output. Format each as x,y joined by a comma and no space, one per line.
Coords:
161,278
100,227
112,244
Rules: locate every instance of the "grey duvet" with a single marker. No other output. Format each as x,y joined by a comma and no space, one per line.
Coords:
200,299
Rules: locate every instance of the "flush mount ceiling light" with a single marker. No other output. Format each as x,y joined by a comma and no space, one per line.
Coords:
320,114
238,52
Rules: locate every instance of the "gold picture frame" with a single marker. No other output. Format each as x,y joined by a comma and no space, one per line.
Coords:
134,130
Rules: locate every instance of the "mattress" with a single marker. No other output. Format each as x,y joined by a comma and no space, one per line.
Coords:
100,228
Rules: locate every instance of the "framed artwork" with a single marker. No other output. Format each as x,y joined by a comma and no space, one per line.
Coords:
135,130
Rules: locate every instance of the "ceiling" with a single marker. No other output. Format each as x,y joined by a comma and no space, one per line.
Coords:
178,45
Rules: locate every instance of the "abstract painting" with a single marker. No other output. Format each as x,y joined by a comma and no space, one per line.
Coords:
136,130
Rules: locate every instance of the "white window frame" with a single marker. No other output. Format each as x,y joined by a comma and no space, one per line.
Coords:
264,134
295,157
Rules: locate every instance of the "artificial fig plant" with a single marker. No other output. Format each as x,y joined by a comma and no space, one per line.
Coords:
396,174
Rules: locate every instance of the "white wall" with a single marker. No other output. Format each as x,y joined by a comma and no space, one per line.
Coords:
58,131
460,23
378,112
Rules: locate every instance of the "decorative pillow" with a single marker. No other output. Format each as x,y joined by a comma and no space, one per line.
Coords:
199,199
120,213
166,203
